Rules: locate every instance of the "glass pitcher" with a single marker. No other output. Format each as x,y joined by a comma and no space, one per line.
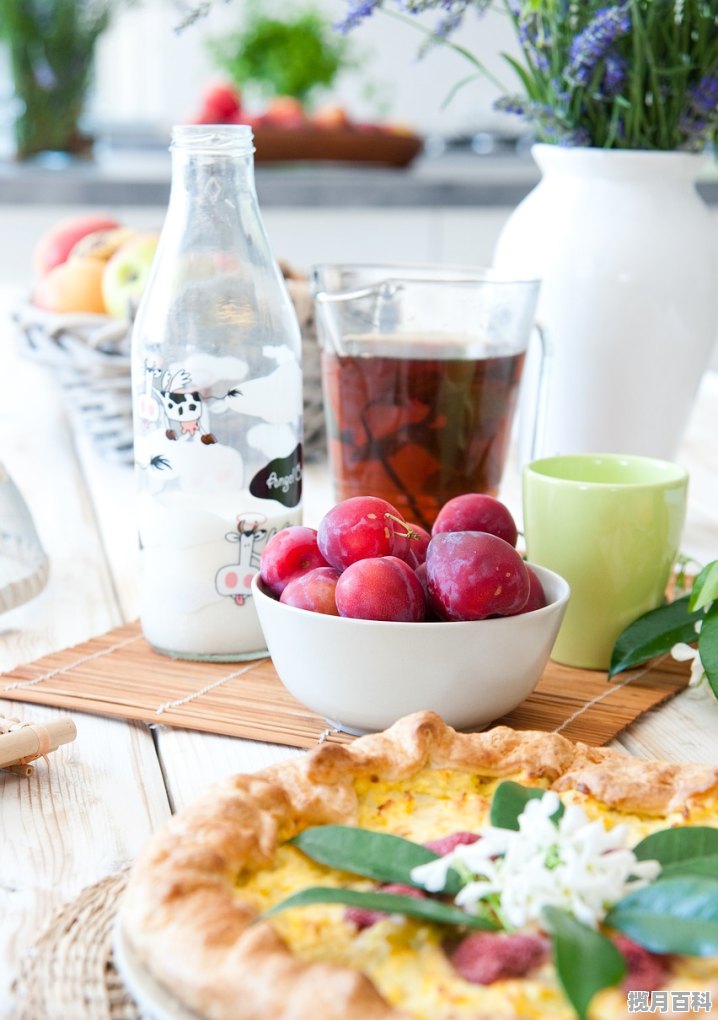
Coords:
421,367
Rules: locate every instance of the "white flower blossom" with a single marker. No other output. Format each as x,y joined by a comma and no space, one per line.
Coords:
682,652
575,864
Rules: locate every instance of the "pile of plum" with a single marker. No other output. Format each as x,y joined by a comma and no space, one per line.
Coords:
366,562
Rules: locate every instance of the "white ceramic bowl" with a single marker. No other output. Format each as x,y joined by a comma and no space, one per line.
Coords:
363,675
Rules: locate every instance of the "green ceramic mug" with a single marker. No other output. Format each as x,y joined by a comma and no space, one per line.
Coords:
611,524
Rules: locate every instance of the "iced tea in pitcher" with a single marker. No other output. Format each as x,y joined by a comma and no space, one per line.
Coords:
420,371
419,430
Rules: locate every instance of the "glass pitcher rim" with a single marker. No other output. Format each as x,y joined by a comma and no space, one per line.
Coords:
437,273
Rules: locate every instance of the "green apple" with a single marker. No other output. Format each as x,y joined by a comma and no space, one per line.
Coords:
125,275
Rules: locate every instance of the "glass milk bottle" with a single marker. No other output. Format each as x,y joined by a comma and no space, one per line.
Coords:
217,400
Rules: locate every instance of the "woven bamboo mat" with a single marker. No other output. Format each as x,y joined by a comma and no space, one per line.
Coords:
118,674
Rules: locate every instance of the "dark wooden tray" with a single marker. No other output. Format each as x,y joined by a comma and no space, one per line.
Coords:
343,145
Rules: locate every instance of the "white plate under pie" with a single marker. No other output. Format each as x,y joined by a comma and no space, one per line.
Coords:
153,999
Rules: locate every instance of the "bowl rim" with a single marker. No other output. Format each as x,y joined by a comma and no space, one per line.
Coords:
259,591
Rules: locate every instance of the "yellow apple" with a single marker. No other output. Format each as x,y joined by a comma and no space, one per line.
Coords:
284,112
72,286
331,117
125,275
102,244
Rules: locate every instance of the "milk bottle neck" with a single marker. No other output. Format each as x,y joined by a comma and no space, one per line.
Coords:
212,164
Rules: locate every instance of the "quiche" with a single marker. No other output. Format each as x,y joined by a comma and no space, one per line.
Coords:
195,911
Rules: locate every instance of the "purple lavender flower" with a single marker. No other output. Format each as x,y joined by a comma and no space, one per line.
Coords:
453,18
419,6
704,95
614,75
512,104
699,118
533,39
455,11
358,11
593,43
548,121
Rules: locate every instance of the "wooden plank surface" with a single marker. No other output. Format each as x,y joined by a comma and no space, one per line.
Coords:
92,806
83,814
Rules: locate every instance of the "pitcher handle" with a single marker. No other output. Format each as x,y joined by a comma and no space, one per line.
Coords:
541,395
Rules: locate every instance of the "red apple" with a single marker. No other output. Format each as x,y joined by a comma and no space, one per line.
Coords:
54,247
221,104
72,286
126,273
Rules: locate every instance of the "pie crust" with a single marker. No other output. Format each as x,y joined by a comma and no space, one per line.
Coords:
182,914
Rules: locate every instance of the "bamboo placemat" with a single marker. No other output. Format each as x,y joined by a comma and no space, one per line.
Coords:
118,674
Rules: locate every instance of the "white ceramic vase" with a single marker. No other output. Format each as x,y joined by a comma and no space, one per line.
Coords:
626,249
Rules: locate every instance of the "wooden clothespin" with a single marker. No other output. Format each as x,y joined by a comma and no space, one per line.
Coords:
23,742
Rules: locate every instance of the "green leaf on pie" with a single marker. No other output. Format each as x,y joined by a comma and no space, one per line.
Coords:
377,855
678,844
673,915
586,961
509,801
654,634
389,903
705,587
707,866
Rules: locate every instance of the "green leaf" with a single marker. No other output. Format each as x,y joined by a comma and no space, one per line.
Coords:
409,906
509,801
708,647
674,915
654,634
663,934
679,844
705,587
457,88
522,74
377,855
586,961
707,866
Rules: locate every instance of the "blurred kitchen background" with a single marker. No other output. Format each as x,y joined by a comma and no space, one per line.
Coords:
150,72
447,206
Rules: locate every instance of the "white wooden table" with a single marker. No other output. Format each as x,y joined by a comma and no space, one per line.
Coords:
91,809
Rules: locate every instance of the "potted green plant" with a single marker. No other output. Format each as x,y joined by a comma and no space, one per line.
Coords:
283,55
51,45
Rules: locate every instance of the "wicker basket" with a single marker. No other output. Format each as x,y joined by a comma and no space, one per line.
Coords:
90,357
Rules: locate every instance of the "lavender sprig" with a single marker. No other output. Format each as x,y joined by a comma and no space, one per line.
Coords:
640,74
592,44
358,11
699,116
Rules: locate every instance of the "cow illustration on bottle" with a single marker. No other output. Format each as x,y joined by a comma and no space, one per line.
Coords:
183,407
235,580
